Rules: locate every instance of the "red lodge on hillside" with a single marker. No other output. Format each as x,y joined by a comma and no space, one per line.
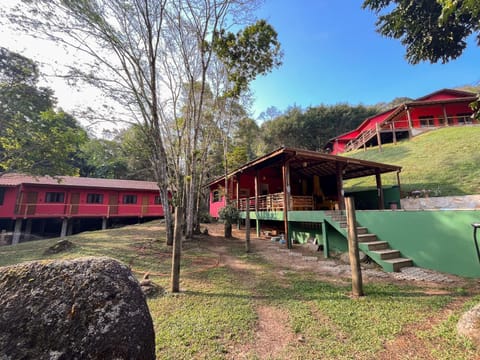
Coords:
43,205
445,107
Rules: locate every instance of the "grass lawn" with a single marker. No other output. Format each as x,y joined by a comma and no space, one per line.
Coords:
235,305
445,162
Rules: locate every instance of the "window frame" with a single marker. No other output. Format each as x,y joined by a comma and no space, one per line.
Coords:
54,197
95,198
129,199
2,195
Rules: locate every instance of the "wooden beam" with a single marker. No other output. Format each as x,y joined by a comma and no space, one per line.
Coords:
286,199
257,221
379,137
394,133
410,125
378,179
357,283
340,191
444,108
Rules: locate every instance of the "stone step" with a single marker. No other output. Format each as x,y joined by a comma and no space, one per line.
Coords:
366,237
388,254
339,218
377,245
362,230
399,263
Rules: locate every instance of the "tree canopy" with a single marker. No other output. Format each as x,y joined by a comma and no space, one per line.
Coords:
430,30
34,137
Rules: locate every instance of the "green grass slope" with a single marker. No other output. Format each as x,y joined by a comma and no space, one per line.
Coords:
445,162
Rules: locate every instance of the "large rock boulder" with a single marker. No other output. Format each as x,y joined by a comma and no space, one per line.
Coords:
89,308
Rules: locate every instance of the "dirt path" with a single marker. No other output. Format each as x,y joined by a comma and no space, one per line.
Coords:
272,323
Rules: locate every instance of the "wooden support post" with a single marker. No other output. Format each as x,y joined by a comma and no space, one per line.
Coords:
286,200
257,221
381,200
445,114
357,283
325,239
177,250
247,227
237,194
410,125
17,231
340,191
394,134
104,223
3,237
379,137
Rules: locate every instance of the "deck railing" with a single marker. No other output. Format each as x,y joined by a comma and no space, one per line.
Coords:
275,202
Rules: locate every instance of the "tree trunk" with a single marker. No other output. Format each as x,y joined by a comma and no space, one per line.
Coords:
177,250
228,230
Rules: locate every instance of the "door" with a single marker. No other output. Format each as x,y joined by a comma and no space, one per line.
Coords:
113,204
145,199
74,202
31,202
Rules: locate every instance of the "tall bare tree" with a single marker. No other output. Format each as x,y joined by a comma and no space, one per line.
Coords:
166,61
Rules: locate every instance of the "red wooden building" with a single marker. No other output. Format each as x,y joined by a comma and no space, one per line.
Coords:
442,108
36,204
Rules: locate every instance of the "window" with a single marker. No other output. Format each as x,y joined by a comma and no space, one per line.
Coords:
55,197
2,195
95,198
216,196
158,200
129,199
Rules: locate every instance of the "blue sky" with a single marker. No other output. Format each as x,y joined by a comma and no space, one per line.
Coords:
332,54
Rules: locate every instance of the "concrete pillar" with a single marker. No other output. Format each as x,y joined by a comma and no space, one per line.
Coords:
104,223
63,232
17,232
28,230
3,237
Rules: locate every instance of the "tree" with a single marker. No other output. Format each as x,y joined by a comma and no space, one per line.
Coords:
160,59
48,144
431,30
34,138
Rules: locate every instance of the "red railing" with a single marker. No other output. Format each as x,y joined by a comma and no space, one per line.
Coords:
88,210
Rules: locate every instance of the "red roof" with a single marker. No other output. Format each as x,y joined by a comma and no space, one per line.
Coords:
73,181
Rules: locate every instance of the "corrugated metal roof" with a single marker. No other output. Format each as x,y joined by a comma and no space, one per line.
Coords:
73,181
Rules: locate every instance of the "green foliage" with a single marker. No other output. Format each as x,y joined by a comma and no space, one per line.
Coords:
311,129
47,145
444,162
253,51
228,214
433,30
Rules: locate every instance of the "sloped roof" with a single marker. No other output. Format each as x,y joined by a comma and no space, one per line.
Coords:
79,182
311,163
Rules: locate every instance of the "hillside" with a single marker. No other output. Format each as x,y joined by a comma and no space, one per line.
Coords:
445,162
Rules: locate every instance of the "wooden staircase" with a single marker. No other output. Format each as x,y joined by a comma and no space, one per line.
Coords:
379,251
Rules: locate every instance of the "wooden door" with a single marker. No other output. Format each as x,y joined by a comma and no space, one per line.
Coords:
145,199
31,202
74,203
113,204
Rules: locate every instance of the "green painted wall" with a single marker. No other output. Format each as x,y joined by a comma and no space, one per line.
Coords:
263,215
368,199
438,240
336,241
